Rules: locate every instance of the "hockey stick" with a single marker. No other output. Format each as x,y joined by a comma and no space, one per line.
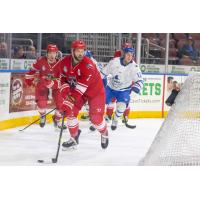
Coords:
54,160
128,125
36,120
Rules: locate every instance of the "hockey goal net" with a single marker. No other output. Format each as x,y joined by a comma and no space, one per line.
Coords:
178,140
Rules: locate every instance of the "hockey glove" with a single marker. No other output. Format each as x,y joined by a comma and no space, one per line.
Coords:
136,90
64,90
68,105
49,83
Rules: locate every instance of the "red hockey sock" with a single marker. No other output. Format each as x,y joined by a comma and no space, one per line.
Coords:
72,124
102,128
127,111
109,111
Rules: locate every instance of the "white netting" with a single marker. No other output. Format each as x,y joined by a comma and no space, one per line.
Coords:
178,140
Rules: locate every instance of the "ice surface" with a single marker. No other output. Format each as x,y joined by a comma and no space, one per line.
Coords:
126,147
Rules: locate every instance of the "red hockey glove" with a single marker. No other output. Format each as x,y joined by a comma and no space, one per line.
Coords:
49,83
64,90
68,105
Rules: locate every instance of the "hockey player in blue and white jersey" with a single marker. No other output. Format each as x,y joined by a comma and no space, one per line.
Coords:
125,77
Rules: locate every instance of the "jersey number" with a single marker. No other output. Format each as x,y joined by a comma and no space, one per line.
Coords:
88,77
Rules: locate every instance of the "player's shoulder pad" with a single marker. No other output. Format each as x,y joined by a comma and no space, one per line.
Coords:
134,64
88,63
63,60
40,60
115,60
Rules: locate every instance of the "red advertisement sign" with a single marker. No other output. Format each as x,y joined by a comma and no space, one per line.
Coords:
22,97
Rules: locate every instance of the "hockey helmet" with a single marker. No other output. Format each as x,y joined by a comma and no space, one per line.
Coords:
117,53
127,48
88,53
78,44
52,48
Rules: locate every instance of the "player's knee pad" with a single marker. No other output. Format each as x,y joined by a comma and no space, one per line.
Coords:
120,108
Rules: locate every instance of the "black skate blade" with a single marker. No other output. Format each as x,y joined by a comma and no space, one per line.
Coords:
130,126
46,161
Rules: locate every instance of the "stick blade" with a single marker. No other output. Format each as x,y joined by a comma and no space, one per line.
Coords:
54,160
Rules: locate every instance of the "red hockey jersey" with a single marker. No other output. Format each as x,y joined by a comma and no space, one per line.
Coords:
44,70
82,79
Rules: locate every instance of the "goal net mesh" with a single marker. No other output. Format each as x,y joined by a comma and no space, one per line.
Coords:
178,140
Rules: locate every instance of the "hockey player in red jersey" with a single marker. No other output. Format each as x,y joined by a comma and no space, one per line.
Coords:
82,83
47,79
117,54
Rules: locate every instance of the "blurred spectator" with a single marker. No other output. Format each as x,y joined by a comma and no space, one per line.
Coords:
170,86
170,83
19,53
3,50
176,85
31,53
188,50
176,89
186,61
55,38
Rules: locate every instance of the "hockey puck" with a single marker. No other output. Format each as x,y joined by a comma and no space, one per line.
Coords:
40,161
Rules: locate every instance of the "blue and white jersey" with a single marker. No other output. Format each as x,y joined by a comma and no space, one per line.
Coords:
122,76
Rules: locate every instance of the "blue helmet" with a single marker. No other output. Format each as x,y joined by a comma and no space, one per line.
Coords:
129,50
88,53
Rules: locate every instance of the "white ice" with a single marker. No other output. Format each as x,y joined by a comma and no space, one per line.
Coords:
126,146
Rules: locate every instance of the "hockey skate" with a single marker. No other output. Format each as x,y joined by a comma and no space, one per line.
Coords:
92,127
42,121
107,118
84,117
72,142
114,123
104,140
58,124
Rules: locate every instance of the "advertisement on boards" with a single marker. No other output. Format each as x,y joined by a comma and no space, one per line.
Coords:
22,97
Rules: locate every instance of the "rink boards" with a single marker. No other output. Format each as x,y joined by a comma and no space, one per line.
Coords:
17,102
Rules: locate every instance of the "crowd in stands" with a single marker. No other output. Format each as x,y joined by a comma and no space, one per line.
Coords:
184,48
18,52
